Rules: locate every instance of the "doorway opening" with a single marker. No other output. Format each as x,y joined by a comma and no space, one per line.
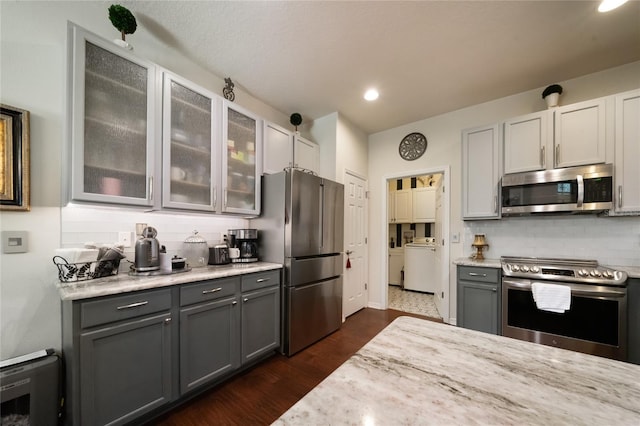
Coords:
416,259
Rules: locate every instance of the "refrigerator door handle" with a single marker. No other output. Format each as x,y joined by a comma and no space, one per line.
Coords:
321,215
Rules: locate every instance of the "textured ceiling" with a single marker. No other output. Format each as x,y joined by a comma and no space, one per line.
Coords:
425,57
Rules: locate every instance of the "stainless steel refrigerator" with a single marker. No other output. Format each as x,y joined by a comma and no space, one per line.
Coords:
301,226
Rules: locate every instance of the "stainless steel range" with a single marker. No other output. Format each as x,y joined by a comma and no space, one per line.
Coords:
596,321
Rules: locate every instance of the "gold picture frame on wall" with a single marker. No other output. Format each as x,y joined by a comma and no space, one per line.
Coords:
14,159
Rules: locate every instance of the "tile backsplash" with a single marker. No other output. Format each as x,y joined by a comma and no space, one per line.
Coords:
609,240
80,224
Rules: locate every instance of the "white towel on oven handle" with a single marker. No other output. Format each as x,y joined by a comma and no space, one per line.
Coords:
551,297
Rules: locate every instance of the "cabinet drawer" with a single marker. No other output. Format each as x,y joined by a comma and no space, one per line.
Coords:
123,307
260,280
207,290
473,273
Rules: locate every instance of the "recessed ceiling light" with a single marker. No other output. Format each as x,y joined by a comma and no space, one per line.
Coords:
608,5
371,95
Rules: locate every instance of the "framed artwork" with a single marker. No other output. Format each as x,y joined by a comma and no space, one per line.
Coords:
14,159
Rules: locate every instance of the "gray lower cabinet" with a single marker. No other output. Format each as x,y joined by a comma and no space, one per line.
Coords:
209,331
260,314
129,356
478,300
119,357
633,319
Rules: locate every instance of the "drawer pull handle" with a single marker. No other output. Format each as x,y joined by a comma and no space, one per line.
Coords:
261,280
213,290
473,274
132,305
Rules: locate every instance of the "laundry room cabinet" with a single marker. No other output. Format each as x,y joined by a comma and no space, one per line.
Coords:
400,206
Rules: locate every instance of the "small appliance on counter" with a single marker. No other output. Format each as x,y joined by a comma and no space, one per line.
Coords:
195,250
147,254
246,241
219,254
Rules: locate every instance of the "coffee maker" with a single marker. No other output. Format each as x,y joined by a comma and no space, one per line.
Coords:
246,241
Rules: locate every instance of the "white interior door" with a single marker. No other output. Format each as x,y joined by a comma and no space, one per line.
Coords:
437,273
355,225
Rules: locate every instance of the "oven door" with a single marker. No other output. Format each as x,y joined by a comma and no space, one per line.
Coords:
595,324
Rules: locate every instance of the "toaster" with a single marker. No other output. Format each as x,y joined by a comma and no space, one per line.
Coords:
219,255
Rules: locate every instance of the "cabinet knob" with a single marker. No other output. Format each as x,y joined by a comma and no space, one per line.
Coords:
234,303
167,320
245,299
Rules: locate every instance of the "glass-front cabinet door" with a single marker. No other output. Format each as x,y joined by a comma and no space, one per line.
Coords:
189,133
240,159
112,123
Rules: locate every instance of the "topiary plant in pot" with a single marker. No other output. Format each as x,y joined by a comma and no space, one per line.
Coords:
124,21
552,94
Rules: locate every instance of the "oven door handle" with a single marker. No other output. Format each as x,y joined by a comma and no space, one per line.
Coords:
577,289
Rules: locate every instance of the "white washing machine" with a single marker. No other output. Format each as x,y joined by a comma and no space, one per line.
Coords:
419,266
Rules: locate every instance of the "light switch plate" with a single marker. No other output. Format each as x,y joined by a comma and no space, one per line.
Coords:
124,238
455,237
14,242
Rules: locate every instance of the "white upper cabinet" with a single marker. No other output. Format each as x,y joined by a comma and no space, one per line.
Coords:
306,154
242,144
400,206
627,152
278,148
481,173
283,149
190,139
580,136
424,204
112,121
572,135
526,141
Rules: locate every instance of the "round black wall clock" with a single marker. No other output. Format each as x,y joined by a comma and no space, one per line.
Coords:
412,146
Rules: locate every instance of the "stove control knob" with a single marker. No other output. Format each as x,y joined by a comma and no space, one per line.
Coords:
583,273
515,268
607,274
595,273
524,268
535,269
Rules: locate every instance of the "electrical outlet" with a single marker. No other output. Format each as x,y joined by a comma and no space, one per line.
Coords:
455,237
124,238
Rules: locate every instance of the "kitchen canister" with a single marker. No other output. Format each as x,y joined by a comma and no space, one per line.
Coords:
195,250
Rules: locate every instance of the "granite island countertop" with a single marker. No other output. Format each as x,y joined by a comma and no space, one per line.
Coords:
123,283
421,372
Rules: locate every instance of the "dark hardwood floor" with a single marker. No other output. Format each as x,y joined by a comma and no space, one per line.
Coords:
262,394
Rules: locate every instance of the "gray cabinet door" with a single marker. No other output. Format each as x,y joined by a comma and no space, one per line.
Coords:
209,343
478,306
260,322
125,370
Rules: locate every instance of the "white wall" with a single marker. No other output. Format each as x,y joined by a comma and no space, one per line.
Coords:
510,236
32,77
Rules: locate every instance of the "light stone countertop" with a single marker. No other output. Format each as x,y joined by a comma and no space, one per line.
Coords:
486,263
123,283
421,372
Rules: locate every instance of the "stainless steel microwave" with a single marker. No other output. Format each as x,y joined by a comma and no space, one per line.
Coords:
584,189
